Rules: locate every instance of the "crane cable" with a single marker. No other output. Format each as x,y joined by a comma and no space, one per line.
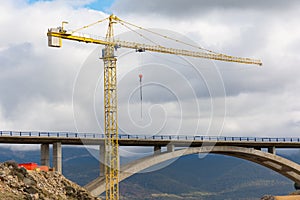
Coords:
122,22
92,24
141,35
169,38
141,94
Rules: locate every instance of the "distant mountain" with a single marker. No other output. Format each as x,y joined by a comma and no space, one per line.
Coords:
214,177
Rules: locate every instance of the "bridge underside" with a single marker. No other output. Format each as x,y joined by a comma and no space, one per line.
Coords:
279,164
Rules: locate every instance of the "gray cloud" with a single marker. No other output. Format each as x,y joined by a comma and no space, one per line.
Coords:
188,8
25,76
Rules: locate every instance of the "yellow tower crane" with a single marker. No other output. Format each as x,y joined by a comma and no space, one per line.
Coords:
55,36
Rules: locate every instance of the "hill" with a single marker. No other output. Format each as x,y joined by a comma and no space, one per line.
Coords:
214,177
18,183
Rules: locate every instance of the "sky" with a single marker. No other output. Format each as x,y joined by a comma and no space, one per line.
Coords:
46,89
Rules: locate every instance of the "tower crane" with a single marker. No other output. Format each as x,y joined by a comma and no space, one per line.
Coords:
55,36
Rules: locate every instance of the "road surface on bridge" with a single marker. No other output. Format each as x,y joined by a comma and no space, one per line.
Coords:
71,138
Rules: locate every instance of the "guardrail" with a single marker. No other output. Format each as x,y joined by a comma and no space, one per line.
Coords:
51,134
73,135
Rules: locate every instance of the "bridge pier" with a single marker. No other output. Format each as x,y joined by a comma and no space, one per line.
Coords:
45,155
170,148
157,150
102,160
57,157
272,150
297,186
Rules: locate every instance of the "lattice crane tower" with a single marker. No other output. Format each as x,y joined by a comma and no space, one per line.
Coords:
55,36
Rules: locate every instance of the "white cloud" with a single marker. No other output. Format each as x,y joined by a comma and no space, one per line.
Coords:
37,81
261,101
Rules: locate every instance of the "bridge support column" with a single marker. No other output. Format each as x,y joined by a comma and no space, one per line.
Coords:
102,160
157,150
170,147
272,150
57,157
297,186
257,148
45,155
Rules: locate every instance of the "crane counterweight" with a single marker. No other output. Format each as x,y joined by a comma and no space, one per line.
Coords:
54,41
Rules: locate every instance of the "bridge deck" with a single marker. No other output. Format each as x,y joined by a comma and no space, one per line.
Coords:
67,138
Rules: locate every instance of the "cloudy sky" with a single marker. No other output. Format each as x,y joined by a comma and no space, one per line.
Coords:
46,89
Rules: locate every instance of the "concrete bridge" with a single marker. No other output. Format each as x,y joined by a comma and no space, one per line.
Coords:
281,165
248,148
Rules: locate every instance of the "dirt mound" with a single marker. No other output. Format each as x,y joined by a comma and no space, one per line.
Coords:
18,183
289,197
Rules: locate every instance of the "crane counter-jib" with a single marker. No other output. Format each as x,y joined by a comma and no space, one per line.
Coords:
55,36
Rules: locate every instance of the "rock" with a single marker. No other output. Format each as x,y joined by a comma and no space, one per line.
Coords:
22,170
20,176
70,191
32,196
35,196
32,185
2,176
29,182
297,192
46,175
31,190
11,164
268,197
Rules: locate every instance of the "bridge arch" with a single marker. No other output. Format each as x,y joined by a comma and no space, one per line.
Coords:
283,166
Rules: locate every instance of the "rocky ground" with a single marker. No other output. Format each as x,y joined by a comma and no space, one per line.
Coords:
18,183
293,196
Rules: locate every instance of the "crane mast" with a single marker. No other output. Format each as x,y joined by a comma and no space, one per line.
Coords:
55,36
110,116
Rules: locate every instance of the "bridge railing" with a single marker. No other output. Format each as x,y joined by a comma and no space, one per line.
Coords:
51,134
146,137
209,138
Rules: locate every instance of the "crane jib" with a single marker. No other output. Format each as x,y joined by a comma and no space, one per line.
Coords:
54,40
